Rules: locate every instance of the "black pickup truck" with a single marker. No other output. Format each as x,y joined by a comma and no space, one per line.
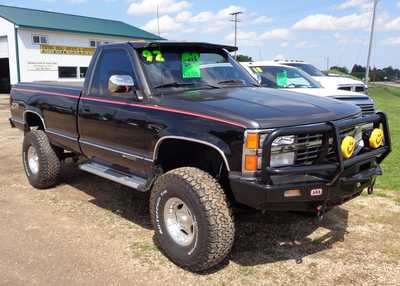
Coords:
186,123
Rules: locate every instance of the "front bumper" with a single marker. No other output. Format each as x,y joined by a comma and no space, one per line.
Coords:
339,181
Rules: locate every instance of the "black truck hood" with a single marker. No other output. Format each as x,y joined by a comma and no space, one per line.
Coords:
260,107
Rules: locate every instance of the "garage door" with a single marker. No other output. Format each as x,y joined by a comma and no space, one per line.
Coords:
3,47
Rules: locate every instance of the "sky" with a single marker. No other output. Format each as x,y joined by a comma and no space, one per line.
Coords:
319,32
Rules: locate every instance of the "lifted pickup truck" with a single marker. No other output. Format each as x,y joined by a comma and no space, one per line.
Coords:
160,118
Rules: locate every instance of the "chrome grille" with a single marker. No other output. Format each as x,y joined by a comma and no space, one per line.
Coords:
367,109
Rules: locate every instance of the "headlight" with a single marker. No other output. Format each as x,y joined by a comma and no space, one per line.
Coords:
282,159
282,153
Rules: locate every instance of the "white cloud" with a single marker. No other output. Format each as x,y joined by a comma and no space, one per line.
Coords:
284,44
244,38
350,4
393,25
398,4
167,24
226,13
279,57
393,41
150,7
306,45
202,17
343,39
276,34
262,20
332,23
183,16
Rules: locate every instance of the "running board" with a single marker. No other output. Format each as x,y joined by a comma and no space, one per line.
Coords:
114,175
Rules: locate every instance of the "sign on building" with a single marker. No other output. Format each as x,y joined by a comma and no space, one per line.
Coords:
66,50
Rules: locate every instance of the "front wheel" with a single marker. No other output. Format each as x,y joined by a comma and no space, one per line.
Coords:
41,163
193,222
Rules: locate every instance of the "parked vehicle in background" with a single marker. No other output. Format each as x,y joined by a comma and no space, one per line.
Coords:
158,117
280,76
331,82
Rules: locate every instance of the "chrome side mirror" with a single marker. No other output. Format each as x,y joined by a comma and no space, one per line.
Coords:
120,84
258,78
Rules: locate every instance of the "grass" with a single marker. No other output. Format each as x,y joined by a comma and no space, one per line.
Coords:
388,100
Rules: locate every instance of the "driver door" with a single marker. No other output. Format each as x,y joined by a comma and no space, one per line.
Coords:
111,129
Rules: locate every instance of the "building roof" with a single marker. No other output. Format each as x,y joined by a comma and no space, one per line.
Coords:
38,19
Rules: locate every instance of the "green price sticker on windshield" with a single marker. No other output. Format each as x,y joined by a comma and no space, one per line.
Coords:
151,56
191,65
282,79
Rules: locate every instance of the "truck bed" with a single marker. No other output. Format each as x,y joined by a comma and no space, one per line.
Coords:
71,85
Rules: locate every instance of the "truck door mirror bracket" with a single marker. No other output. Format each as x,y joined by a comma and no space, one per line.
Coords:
121,84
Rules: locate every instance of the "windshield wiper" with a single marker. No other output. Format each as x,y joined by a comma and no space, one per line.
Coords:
185,84
229,81
175,84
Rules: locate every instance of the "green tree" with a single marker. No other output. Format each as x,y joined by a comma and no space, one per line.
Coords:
243,58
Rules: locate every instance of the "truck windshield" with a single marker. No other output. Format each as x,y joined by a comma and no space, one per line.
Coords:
177,69
310,69
284,77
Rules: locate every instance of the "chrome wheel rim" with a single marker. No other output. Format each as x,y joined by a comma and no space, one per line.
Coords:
33,160
180,222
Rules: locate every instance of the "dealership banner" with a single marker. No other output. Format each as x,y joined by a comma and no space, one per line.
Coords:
66,50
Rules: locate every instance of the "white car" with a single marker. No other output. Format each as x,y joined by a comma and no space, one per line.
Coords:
334,82
274,75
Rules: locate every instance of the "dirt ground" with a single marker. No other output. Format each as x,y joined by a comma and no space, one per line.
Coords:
88,231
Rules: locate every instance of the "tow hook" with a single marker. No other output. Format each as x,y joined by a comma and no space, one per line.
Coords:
370,189
320,212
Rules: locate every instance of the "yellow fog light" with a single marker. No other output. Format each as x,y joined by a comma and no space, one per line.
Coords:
348,146
376,138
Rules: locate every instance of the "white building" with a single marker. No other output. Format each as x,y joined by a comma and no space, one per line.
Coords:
47,46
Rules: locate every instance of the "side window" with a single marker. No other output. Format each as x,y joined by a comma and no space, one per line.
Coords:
111,62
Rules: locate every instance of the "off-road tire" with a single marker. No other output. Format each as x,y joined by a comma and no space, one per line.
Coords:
208,202
49,162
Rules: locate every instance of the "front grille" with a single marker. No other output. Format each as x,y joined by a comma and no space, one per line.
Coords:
360,89
356,88
308,147
367,109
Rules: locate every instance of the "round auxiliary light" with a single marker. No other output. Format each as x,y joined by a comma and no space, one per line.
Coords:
348,146
376,138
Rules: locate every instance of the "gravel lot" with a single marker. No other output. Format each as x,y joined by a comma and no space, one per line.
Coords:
88,231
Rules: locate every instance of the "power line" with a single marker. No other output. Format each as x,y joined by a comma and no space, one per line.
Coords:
236,21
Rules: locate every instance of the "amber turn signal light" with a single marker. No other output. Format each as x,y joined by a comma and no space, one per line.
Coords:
250,163
253,141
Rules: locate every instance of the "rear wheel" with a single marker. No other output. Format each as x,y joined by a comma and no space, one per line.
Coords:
41,163
193,222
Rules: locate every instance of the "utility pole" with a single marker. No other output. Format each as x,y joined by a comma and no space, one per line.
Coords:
327,63
158,21
236,20
371,38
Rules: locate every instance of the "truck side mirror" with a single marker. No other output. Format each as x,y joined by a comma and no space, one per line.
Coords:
258,78
120,84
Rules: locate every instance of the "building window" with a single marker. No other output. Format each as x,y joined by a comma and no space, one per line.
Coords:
67,72
44,40
82,72
40,39
93,44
